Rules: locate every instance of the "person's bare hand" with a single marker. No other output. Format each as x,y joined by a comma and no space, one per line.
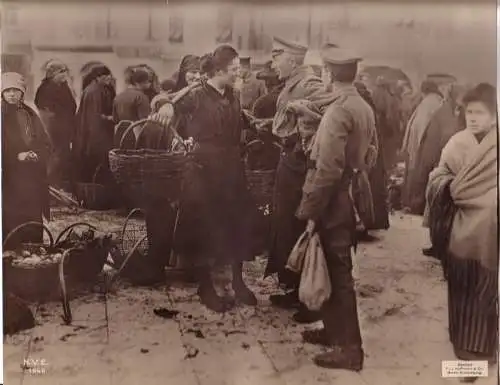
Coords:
28,156
263,125
311,226
297,106
164,114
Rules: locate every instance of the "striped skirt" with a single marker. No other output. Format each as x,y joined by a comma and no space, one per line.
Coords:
472,307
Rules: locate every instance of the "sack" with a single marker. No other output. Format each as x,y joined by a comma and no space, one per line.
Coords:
295,261
315,287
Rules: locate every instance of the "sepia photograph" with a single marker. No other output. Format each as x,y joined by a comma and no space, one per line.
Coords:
282,192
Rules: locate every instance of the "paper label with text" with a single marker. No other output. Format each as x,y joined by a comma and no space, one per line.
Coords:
464,369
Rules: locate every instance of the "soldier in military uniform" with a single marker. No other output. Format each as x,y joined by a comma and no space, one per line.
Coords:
300,83
345,140
249,87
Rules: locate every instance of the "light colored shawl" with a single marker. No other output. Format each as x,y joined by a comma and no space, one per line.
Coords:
474,190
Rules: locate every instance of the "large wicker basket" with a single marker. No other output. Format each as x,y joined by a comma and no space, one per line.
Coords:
146,175
260,181
37,283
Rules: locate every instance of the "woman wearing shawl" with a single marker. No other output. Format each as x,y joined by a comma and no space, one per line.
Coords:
216,210
25,150
94,135
189,72
188,75
462,196
56,104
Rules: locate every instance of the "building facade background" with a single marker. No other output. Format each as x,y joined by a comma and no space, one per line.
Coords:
418,38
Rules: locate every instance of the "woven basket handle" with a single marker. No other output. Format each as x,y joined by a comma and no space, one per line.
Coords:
129,216
69,228
178,97
131,127
27,224
250,145
129,255
67,316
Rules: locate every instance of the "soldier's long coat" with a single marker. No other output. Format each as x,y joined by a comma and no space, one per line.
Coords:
340,146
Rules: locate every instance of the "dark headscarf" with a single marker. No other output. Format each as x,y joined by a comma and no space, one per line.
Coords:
91,71
189,63
54,67
168,85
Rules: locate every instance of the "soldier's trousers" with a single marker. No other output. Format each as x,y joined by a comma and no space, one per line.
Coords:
340,313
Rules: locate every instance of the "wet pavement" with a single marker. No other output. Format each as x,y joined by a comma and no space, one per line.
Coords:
118,340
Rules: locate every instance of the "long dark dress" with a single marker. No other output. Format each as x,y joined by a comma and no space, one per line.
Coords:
94,136
56,101
216,209
25,193
378,174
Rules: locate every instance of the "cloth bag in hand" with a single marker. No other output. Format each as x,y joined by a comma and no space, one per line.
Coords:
296,259
315,287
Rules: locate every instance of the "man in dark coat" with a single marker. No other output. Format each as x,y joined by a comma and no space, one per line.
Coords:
340,147
56,104
300,83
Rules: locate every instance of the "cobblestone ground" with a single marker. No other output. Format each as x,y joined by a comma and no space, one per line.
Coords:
118,340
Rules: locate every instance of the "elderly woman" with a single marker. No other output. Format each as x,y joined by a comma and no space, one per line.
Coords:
56,104
25,149
94,134
216,208
189,72
188,75
462,196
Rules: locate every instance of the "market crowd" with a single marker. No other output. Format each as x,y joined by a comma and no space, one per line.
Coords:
341,134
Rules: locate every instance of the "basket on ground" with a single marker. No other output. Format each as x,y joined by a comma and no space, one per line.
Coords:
29,275
93,196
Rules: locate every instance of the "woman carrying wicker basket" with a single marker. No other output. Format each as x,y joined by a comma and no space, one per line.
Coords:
216,211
